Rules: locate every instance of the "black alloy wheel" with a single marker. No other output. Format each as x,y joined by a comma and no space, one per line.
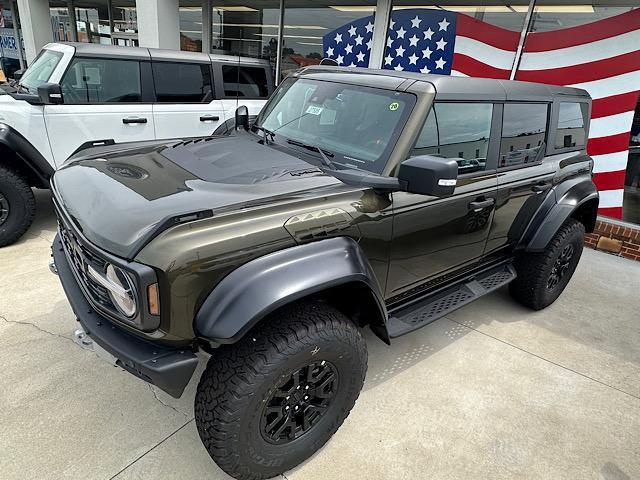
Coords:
560,267
297,405
4,209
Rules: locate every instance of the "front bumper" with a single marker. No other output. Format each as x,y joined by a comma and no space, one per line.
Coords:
170,369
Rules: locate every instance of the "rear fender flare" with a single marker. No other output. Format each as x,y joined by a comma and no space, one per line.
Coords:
570,196
259,287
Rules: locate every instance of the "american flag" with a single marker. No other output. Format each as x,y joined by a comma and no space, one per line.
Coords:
602,57
350,44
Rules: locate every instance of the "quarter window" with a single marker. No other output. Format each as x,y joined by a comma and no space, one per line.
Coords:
93,80
523,125
571,132
182,82
246,82
463,130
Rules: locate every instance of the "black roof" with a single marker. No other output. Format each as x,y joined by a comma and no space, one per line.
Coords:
449,87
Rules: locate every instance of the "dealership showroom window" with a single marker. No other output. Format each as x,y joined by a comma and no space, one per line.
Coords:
593,45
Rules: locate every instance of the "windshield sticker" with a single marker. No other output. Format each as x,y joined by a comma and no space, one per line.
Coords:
393,106
314,110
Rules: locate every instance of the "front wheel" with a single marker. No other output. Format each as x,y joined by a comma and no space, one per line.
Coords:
543,276
268,402
17,206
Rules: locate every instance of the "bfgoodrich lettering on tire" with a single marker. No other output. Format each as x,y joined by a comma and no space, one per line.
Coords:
17,206
270,401
543,276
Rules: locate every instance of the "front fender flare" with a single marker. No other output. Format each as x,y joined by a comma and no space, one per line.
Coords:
30,155
261,286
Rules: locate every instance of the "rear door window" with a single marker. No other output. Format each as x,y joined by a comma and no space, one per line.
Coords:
524,130
571,121
245,82
182,82
101,80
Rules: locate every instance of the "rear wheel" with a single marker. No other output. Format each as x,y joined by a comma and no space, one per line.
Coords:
269,402
17,206
543,276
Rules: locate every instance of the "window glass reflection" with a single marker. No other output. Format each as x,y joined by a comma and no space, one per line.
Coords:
249,30
314,30
524,128
190,17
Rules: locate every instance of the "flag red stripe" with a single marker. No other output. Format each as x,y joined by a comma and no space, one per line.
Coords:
472,67
612,212
610,144
487,33
625,102
585,72
609,180
590,32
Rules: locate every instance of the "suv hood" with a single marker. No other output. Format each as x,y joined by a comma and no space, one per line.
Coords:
120,198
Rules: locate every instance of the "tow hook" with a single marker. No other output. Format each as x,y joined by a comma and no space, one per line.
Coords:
52,267
81,337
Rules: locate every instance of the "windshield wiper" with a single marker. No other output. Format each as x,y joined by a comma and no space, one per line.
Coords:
325,156
266,132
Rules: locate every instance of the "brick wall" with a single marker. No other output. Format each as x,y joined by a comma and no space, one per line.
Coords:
618,239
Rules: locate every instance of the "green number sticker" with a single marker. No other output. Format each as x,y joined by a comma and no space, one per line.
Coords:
393,106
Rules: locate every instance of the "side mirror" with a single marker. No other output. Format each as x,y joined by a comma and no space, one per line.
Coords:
429,175
242,117
17,75
50,93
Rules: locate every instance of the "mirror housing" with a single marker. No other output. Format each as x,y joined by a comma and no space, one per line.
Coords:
50,94
429,175
17,75
242,117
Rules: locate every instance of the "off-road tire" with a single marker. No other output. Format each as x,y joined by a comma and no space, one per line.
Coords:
531,288
22,206
241,378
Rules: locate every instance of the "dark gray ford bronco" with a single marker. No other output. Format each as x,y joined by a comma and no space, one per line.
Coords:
358,198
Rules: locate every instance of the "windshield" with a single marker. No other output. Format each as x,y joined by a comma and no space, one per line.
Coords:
359,125
40,70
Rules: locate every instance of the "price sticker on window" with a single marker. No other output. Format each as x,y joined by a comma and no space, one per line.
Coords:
314,110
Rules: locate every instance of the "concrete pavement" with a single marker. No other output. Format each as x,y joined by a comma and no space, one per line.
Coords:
492,391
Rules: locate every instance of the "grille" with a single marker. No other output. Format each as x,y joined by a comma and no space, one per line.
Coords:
80,258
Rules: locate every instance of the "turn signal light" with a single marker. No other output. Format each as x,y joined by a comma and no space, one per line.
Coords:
154,299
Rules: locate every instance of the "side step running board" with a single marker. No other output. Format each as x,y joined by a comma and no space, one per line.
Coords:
437,305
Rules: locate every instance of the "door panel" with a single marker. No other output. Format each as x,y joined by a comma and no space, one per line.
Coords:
433,236
524,177
184,105
69,126
104,99
188,120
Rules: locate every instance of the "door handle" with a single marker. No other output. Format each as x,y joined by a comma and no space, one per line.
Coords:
480,204
540,188
209,118
128,121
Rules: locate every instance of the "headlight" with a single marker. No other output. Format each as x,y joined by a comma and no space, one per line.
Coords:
119,286
122,295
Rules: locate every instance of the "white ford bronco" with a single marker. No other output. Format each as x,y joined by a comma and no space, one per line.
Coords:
77,95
